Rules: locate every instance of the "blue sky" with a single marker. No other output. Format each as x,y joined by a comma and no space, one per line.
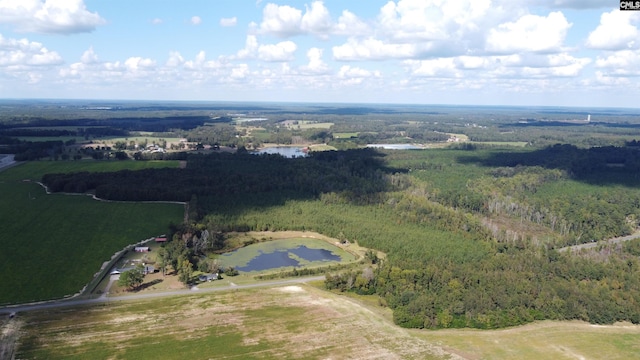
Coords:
481,52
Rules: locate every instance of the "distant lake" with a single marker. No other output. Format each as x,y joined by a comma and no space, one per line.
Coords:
395,146
286,151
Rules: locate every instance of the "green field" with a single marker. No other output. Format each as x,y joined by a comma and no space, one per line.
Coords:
54,244
345,135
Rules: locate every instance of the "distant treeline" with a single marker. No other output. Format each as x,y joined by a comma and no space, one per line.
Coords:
152,124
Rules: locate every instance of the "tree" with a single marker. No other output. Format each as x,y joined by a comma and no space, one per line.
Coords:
131,279
185,271
163,260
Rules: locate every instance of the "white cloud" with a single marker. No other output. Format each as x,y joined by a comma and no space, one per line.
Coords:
282,21
228,22
350,24
620,63
432,20
24,53
250,48
315,65
136,63
615,31
351,75
89,57
317,20
372,49
286,21
196,20
49,16
442,67
571,4
282,51
529,33
175,59
156,21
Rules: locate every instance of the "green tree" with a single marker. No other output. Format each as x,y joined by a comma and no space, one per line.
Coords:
131,279
185,271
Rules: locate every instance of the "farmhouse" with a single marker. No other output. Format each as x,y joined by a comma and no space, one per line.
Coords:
161,239
142,249
148,269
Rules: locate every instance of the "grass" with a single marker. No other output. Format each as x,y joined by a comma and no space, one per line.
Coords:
543,340
35,169
502,143
54,244
270,323
345,135
294,321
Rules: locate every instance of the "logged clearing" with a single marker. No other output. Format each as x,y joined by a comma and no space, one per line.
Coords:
290,322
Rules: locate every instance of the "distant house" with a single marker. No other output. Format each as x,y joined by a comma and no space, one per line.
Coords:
208,277
161,239
148,269
142,249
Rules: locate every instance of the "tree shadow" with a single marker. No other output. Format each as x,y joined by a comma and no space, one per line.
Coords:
599,166
148,284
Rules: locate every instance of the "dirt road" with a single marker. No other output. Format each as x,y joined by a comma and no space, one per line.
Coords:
576,248
69,303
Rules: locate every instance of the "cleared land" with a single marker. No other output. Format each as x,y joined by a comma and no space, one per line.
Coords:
542,340
74,234
292,322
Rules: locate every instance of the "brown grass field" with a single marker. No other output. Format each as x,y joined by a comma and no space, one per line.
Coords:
289,322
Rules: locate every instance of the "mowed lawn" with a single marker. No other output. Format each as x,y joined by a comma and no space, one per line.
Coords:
52,245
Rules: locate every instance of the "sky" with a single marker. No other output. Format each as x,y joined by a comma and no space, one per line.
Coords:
471,52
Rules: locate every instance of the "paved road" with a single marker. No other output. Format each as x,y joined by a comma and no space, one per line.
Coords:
575,248
70,303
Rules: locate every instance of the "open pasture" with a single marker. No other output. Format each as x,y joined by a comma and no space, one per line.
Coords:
542,340
289,322
345,135
54,244
293,322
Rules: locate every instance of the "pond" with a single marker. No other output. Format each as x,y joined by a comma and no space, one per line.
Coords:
395,146
268,257
286,151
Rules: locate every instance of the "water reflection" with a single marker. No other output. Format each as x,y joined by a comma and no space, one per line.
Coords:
281,258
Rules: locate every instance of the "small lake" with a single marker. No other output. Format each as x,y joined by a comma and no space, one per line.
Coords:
395,146
286,151
283,258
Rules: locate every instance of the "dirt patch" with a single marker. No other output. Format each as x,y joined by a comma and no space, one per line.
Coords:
9,337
